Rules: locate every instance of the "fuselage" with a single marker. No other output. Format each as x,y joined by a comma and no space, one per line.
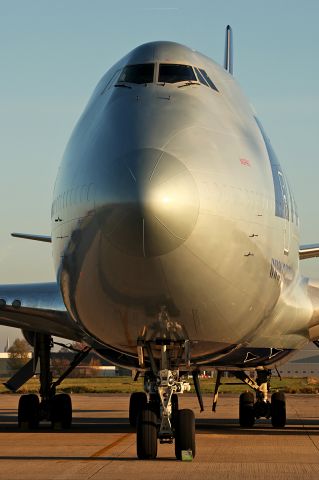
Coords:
172,217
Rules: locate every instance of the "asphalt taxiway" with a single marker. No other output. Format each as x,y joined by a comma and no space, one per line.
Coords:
101,444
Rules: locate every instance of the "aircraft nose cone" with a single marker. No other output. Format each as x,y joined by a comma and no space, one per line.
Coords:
155,203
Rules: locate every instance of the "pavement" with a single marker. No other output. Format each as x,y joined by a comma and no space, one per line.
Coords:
101,444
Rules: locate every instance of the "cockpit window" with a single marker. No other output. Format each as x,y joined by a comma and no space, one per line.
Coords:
204,78
142,73
201,78
173,73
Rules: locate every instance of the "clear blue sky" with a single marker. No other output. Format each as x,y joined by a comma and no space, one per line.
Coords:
52,53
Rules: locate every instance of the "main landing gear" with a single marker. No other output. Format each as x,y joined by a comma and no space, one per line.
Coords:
251,409
52,407
155,412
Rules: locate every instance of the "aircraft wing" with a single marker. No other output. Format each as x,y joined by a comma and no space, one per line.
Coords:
37,307
309,251
31,236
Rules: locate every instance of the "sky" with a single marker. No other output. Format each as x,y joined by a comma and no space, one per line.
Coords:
52,55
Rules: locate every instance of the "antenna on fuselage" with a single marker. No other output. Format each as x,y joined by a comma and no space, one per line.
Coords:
228,62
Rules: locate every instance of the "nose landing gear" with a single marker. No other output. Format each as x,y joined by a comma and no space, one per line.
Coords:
159,418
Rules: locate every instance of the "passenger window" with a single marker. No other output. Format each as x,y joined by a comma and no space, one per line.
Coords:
171,73
142,73
76,195
91,192
208,80
291,204
296,213
284,196
281,196
84,193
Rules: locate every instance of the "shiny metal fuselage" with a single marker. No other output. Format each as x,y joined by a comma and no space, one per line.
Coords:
165,199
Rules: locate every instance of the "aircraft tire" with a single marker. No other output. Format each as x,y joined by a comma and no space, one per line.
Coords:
146,434
61,413
174,401
278,410
138,401
155,404
185,433
28,411
246,410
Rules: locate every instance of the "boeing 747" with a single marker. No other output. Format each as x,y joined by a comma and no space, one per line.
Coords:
175,239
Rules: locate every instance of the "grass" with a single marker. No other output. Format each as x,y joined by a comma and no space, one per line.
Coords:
126,385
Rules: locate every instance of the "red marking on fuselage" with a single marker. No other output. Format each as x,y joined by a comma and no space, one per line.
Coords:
245,162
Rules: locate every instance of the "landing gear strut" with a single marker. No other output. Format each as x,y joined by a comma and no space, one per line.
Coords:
159,417
56,408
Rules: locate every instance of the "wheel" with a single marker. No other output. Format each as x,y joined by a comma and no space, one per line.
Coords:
61,411
146,434
28,411
174,401
155,404
246,410
185,432
138,401
278,410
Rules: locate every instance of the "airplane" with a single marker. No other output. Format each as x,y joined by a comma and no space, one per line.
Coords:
175,241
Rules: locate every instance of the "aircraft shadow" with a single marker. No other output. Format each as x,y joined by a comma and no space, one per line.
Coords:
98,425
88,459
8,423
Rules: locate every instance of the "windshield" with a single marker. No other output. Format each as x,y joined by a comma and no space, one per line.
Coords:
171,73
203,74
142,73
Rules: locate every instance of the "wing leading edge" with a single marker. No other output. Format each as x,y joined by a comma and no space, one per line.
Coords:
31,236
308,251
37,307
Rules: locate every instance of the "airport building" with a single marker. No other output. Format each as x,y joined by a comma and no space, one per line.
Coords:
304,364
93,366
